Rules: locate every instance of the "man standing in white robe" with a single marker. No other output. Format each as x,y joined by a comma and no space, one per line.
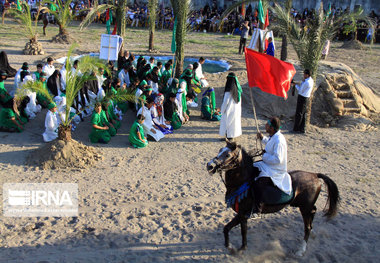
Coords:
49,68
51,124
148,125
273,168
230,123
199,73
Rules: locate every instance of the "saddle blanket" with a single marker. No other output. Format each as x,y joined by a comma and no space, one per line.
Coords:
274,196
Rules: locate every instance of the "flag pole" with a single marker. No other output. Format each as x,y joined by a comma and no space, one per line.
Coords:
254,113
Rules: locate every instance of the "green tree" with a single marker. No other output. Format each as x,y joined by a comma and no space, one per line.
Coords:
308,42
120,8
29,27
181,9
74,83
63,15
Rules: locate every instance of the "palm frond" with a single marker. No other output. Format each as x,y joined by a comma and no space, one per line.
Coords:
122,95
24,17
94,13
32,86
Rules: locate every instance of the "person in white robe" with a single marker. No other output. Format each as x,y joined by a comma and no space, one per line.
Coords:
51,124
49,68
230,123
181,95
274,163
17,81
32,107
199,73
157,112
124,77
149,127
63,72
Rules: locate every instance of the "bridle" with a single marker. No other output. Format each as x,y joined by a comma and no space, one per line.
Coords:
232,164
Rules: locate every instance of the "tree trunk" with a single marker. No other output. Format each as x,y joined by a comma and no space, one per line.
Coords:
284,47
64,133
121,21
152,6
151,41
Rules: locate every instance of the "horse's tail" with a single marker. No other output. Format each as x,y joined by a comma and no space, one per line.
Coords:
333,198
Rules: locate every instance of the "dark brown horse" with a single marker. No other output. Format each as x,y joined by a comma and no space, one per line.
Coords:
239,171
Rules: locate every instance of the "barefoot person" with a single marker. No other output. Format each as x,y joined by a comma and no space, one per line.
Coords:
230,123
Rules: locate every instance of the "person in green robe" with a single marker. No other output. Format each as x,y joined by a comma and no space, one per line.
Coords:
136,134
99,131
111,115
171,111
41,99
106,120
208,108
4,95
166,75
121,105
10,120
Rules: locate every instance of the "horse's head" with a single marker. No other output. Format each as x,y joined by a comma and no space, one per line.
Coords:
227,158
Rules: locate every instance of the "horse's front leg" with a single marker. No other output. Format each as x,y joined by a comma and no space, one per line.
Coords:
234,222
243,228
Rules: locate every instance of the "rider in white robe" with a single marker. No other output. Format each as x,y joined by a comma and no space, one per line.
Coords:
274,163
230,123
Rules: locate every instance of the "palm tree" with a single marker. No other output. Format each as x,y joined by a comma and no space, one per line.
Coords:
152,6
308,42
63,16
284,37
181,10
121,21
74,83
29,29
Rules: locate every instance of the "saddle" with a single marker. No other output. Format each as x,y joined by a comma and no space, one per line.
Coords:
272,195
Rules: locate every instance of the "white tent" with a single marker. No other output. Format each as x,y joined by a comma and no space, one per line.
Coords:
260,35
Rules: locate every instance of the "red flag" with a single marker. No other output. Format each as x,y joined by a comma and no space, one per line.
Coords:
268,73
266,20
243,10
114,30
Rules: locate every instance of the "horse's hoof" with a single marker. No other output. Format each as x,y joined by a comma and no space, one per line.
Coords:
242,249
231,250
301,251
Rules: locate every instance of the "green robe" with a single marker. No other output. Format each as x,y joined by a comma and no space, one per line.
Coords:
134,138
103,117
4,96
6,116
175,121
97,135
41,99
165,78
184,104
208,112
112,115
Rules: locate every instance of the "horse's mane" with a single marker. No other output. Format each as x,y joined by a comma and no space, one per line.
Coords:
247,158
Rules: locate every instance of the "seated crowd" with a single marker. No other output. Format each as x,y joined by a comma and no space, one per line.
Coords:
161,102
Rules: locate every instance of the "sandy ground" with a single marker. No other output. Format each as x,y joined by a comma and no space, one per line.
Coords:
160,205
